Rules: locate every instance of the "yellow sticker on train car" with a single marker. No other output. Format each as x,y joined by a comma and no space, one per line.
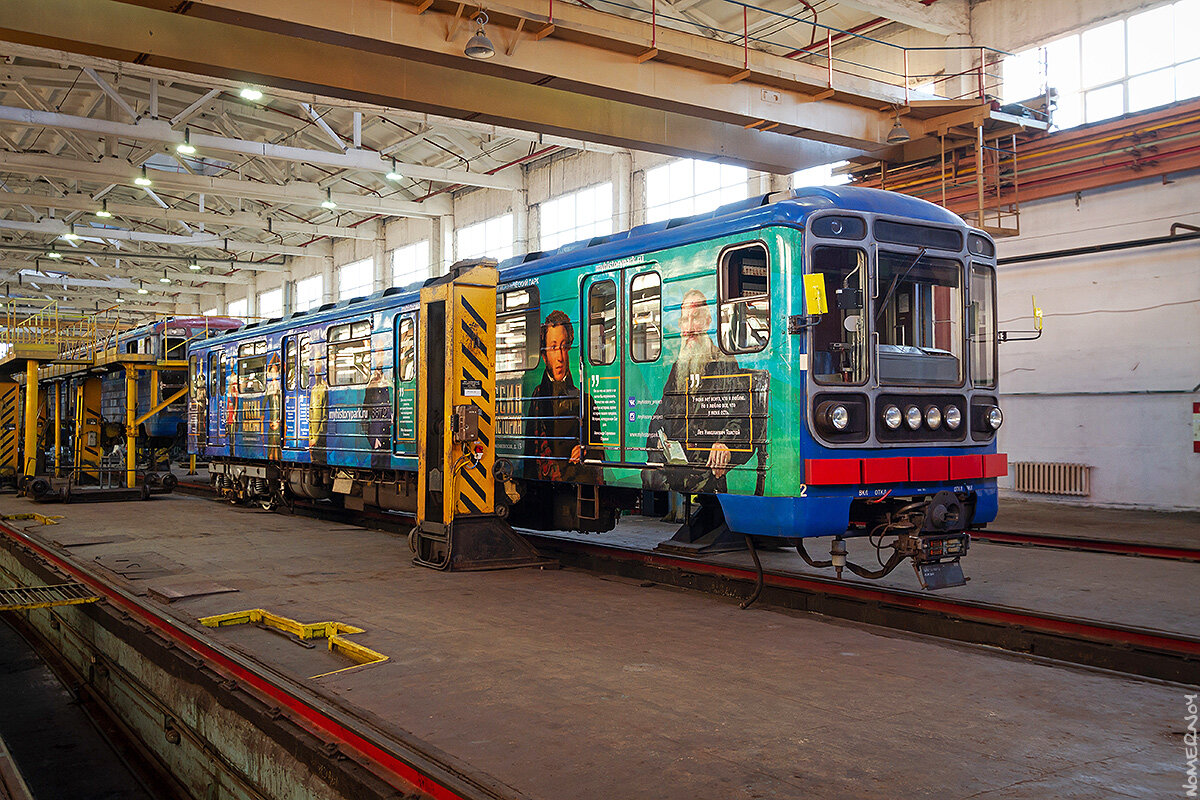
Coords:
815,299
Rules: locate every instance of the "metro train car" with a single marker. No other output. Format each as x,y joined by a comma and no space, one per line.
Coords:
166,340
680,356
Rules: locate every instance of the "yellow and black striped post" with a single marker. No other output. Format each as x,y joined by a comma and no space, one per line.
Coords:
457,527
10,401
87,449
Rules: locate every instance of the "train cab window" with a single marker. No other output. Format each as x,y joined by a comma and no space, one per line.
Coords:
516,326
174,348
408,350
745,308
289,363
918,316
349,361
838,353
645,316
306,361
602,322
252,367
982,325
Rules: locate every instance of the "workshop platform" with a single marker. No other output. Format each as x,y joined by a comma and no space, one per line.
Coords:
564,684
1168,528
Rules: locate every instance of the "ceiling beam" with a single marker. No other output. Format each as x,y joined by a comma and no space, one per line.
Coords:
947,17
349,158
377,51
84,202
58,228
118,171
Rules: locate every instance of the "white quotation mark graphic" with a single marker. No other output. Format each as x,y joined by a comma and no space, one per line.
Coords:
595,381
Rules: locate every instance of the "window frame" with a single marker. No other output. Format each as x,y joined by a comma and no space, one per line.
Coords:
290,362
334,345
657,355
616,306
989,274
532,312
722,300
866,286
409,319
245,352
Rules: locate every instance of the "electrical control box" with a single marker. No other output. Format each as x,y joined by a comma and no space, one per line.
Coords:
464,423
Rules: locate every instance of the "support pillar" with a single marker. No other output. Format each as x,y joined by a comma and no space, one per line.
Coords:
29,468
382,276
130,428
622,181
520,210
58,429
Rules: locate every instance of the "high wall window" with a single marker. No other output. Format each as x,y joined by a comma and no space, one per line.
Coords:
309,291
270,303
239,308
410,264
212,312
492,238
576,216
820,176
356,279
1139,61
686,187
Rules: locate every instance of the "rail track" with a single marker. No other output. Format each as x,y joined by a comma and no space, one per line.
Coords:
1087,545
1133,650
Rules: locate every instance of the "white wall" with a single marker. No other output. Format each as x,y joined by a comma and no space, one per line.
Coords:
1112,381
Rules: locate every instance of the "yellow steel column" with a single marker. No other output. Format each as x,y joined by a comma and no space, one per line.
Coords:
58,429
31,418
130,428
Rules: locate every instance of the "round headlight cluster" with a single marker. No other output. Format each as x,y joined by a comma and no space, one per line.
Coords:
933,417
839,417
833,417
994,418
892,417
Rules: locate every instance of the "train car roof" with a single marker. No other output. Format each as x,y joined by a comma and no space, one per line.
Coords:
748,214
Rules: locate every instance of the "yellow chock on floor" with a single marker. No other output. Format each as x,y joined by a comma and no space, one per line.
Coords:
42,519
333,632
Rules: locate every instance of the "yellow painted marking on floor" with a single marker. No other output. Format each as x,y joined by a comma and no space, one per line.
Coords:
333,632
41,518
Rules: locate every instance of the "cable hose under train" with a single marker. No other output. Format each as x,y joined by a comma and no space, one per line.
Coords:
862,572
808,559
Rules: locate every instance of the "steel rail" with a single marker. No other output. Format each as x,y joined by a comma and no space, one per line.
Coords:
1087,544
417,768
1092,643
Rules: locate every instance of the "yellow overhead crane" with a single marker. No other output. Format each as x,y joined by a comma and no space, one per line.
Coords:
457,524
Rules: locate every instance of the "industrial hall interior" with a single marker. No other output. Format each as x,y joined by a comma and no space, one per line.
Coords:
593,399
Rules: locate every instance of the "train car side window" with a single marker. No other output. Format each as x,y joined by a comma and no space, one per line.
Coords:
349,362
838,353
223,377
214,375
602,322
289,362
517,314
645,316
306,362
982,322
745,311
252,367
408,350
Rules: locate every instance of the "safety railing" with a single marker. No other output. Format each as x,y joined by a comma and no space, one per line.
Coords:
833,49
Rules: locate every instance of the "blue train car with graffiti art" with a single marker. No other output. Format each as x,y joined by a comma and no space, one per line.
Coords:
817,363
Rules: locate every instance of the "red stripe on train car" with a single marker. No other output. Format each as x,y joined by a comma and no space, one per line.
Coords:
995,465
966,467
929,468
829,471
885,470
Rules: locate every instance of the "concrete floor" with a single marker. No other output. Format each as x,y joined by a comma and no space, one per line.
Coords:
1171,528
564,684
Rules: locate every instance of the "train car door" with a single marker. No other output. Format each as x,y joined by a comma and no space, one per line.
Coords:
404,354
602,371
291,360
216,399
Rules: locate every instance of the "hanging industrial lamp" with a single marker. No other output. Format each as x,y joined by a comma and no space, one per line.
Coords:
898,134
480,46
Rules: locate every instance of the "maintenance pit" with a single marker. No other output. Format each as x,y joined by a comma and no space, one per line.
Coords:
548,683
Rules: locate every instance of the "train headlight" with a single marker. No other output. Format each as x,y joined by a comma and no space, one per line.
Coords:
995,418
839,417
892,417
953,417
933,418
833,416
913,417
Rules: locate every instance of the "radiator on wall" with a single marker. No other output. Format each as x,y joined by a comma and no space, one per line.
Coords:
1052,477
